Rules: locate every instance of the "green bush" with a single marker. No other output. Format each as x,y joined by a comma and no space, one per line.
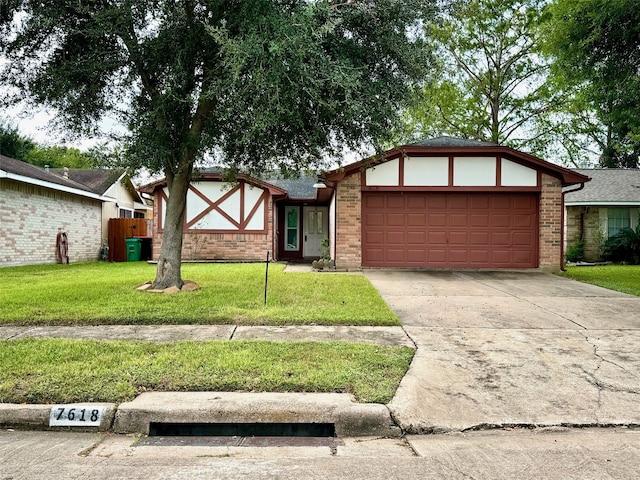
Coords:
575,252
623,247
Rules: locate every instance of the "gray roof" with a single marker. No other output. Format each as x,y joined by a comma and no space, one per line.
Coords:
452,142
98,181
24,169
297,188
608,186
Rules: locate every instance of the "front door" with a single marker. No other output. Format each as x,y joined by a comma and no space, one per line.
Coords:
316,229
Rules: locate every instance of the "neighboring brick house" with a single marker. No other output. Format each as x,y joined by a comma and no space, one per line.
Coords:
605,205
36,205
442,203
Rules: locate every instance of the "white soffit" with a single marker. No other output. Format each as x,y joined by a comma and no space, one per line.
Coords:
474,171
384,175
426,171
515,175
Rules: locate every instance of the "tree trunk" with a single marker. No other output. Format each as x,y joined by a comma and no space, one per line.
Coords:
168,273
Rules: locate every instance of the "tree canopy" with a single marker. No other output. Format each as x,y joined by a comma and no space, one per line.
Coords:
596,48
260,84
490,83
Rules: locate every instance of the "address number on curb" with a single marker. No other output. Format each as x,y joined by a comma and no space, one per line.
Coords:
76,416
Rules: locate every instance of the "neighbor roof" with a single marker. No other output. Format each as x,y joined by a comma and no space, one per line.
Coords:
26,173
98,181
608,186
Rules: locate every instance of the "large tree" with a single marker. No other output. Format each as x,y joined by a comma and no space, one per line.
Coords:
262,84
490,83
596,45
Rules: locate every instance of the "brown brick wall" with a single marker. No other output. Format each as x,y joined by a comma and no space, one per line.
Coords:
550,223
348,223
242,246
31,216
592,236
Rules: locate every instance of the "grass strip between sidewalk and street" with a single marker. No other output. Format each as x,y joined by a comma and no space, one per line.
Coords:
104,293
622,278
68,371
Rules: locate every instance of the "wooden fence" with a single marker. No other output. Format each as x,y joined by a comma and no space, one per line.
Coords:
119,230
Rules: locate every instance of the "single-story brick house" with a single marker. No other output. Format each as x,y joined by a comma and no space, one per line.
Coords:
36,205
442,203
610,202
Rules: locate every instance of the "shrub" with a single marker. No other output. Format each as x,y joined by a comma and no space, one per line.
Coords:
575,252
623,247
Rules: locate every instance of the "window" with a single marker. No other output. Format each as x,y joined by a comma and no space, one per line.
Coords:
292,228
125,213
617,219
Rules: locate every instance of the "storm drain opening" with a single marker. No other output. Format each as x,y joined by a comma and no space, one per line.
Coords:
241,434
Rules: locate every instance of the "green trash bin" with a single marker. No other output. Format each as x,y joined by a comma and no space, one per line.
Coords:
134,249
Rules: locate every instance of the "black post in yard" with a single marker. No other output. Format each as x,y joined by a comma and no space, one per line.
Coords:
266,280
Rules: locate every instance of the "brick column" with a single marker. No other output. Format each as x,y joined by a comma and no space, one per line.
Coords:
348,223
550,223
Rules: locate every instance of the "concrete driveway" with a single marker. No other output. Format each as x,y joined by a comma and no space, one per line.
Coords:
513,348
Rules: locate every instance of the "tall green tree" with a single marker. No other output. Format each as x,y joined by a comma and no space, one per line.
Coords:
13,144
262,84
490,83
596,46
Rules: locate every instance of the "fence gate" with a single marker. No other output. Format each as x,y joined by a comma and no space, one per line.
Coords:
121,229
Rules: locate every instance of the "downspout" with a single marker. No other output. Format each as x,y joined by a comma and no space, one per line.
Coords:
562,215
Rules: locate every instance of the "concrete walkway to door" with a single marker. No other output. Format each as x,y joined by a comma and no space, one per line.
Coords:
513,348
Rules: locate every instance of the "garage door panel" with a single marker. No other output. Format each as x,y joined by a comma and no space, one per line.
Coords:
436,219
475,230
374,219
437,238
459,219
416,220
395,255
396,202
396,238
458,238
416,238
374,237
480,220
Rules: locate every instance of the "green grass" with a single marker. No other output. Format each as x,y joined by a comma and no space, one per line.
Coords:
103,293
623,278
66,371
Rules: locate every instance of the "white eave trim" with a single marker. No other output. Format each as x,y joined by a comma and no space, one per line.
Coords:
603,204
141,206
54,186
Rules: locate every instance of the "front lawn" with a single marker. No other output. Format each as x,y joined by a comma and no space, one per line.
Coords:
68,371
623,278
103,293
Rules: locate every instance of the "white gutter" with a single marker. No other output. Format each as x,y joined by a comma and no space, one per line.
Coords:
54,186
603,204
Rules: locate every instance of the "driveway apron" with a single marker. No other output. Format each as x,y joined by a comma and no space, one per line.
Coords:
498,349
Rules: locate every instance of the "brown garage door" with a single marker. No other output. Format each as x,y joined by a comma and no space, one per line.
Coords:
450,230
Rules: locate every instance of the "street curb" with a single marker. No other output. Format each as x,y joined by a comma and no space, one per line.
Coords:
349,417
36,417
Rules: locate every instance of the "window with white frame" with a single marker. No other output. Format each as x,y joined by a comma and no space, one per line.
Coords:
617,219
